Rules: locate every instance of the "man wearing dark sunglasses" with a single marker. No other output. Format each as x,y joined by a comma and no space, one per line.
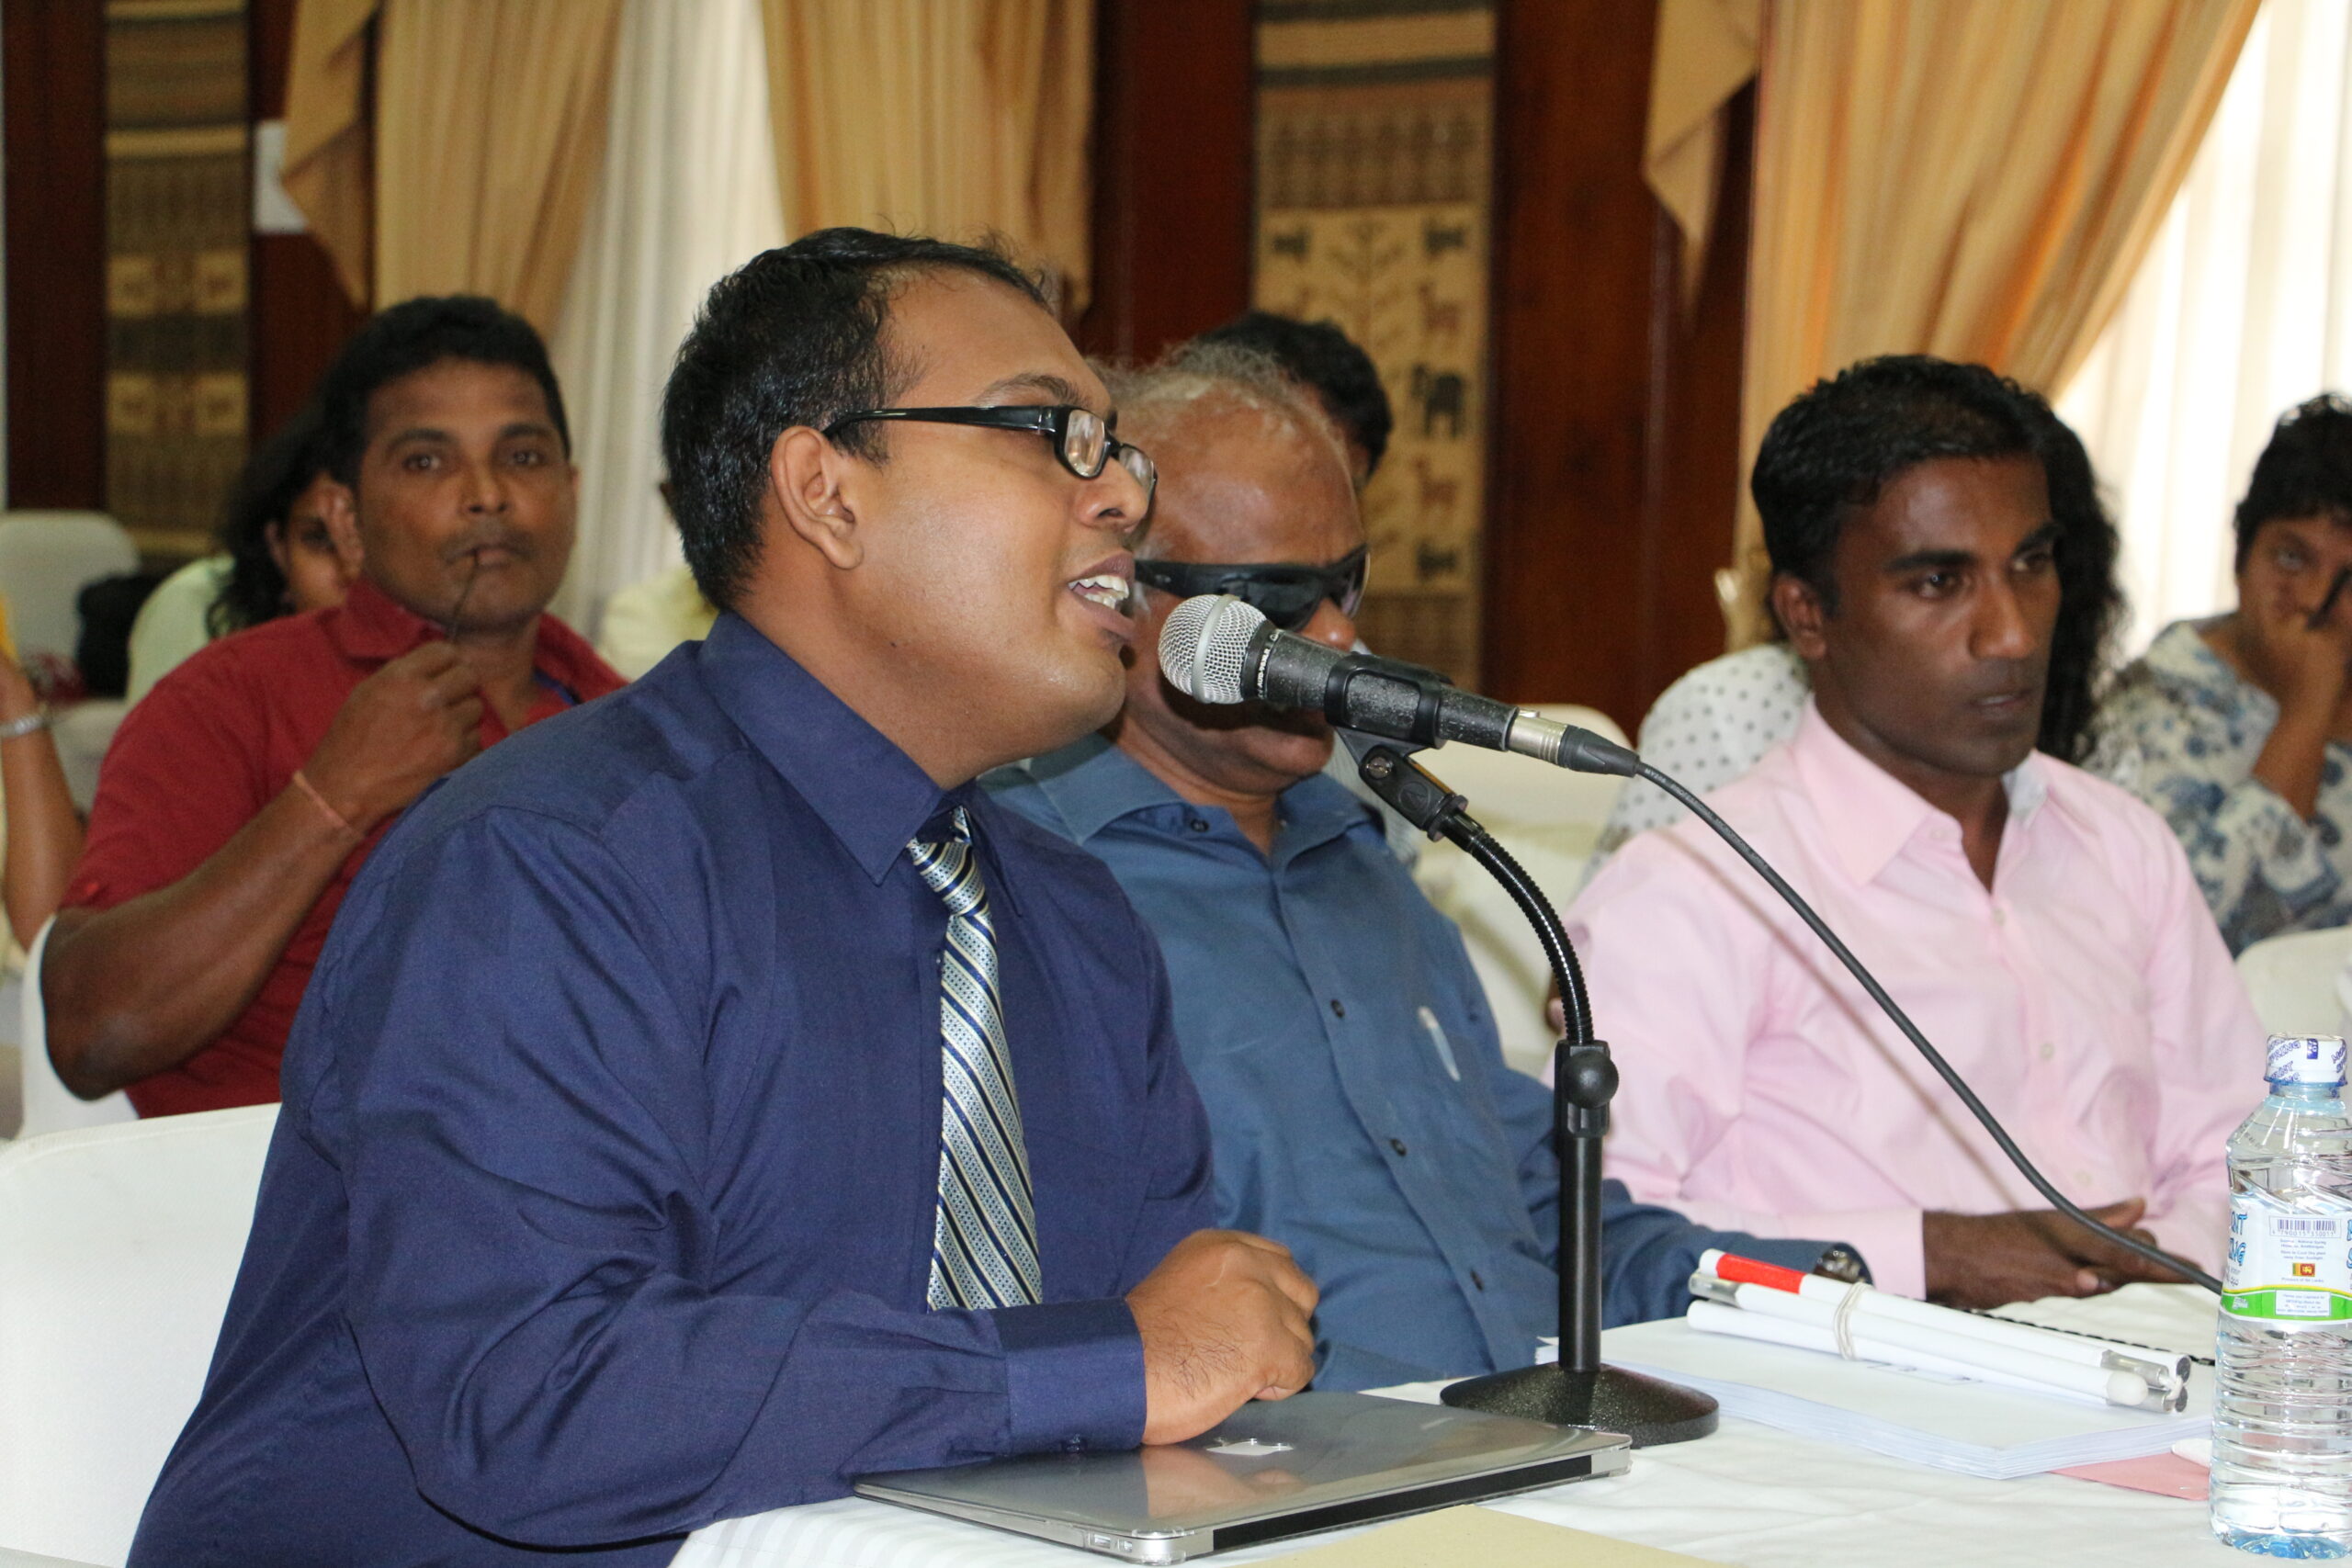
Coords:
1357,1097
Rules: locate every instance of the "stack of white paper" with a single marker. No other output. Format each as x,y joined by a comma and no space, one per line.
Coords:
1972,1428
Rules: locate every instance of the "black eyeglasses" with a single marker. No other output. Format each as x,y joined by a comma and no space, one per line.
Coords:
1079,437
1284,593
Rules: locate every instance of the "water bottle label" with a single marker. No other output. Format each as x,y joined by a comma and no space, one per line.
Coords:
2289,1268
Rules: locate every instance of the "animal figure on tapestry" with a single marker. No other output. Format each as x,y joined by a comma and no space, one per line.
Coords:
1439,238
1442,395
1291,244
1430,562
1440,318
1439,492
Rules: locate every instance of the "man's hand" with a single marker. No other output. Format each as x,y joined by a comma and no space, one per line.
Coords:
400,729
1989,1260
1224,1320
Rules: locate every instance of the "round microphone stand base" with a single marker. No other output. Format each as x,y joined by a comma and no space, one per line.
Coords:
1610,1398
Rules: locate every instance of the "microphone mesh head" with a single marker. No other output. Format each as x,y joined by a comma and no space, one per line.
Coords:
1204,644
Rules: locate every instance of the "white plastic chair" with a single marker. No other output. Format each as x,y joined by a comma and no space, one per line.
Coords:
46,559
1548,819
48,1105
2293,981
118,1249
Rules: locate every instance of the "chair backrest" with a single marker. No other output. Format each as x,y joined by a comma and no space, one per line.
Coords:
48,1105
118,1249
46,559
1548,819
2292,980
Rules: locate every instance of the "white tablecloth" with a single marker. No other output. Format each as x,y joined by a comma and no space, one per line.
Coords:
1748,1495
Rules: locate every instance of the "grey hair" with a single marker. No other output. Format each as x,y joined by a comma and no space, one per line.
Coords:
1197,379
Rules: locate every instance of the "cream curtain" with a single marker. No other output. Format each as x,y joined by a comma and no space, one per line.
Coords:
953,118
1706,51
688,194
489,133
2242,308
1959,178
325,171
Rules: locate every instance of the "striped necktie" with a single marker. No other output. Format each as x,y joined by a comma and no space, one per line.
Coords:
983,1243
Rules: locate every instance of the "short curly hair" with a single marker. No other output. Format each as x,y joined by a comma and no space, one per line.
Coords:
2305,471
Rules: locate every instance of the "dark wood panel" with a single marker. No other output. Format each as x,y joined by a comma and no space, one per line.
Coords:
301,319
269,52
1616,418
1172,160
53,53
301,314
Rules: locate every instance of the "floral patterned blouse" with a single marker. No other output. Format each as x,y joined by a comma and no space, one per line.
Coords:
2187,729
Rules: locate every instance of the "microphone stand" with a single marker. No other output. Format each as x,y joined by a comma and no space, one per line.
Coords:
1578,1390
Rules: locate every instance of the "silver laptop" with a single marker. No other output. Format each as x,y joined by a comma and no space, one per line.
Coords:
1315,1462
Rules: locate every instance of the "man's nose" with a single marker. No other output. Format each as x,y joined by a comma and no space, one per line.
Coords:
1331,626
485,488
1116,499
2003,628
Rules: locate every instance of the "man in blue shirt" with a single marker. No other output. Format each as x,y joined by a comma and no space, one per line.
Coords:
1356,1092
714,1096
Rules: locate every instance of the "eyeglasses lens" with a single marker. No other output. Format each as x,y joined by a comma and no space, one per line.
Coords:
1085,442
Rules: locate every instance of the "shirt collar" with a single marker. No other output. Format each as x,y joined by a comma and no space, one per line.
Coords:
1876,814
866,790
1091,783
371,624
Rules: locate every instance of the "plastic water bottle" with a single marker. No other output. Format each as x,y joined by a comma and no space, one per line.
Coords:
2282,1406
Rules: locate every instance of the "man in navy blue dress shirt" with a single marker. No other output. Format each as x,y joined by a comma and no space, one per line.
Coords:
635,1169
1357,1097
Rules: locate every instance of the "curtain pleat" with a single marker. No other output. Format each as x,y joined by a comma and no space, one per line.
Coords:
490,136
952,118
325,172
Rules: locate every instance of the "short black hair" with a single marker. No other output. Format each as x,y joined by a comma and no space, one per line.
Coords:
792,337
276,474
413,335
1330,364
1835,448
2306,471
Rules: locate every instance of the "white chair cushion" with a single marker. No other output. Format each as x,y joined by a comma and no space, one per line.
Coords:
2292,981
118,1249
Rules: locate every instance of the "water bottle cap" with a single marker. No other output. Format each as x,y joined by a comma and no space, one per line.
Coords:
2307,1059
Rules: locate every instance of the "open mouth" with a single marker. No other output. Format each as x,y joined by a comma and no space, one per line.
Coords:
1109,589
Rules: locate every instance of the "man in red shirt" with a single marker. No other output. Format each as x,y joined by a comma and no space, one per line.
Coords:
242,796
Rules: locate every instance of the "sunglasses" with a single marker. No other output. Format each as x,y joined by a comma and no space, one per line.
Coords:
1286,594
1079,437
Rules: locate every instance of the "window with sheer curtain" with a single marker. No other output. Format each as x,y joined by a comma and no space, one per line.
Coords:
2242,308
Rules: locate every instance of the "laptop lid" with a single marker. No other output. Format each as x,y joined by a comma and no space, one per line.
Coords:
1274,1469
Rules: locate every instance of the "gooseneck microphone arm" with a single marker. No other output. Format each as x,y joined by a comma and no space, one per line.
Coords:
1935,1058
1577,1389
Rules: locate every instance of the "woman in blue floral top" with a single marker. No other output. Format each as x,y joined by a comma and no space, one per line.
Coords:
2239,728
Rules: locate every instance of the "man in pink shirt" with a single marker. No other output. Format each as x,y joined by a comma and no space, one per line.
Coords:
1942,565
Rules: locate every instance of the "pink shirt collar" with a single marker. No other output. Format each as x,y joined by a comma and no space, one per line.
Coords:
1878,814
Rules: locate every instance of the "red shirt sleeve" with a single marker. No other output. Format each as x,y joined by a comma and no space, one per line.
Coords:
186,770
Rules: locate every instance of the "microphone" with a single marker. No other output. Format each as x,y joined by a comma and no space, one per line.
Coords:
1217,648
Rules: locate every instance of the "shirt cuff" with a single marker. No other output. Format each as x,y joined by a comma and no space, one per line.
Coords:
1073,1376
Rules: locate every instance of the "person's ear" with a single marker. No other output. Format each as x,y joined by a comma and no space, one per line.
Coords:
1802,615
805,475
339,504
